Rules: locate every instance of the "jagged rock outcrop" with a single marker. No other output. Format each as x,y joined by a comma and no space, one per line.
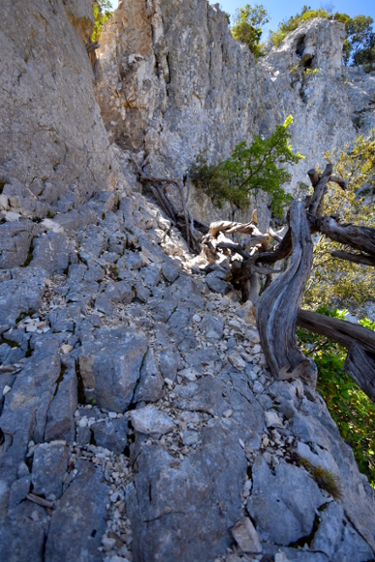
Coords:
173,82
138,418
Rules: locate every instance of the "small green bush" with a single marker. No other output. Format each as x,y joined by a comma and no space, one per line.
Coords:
250,169
248,27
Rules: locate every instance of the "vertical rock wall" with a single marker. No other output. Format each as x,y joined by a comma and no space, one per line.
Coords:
174,82
54,148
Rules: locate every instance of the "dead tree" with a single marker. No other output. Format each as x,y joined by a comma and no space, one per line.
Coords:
278,308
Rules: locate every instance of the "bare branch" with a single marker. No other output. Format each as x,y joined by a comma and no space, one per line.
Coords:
355,258
344,333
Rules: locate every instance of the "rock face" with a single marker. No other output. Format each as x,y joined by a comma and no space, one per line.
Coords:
54,151
138,419
174,82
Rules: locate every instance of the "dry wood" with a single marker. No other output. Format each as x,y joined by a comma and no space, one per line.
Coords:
40,501
344,333
92,47
355,258
360,366
359,238
278,305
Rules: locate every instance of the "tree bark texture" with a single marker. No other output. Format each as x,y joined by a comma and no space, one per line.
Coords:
344,333
279,304
360,366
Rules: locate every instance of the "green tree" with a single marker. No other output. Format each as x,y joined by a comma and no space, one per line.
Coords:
248,26
250,169
102,12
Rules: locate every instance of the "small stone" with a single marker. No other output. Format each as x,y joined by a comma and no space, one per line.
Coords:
258,388
256,349
272,419
281,557
112,415
151,421
237,361
228,413
188,374
241,443
246,536
108,543
197,318
6,389
64,349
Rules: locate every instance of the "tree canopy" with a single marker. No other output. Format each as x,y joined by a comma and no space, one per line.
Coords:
102,12
248,26
250,169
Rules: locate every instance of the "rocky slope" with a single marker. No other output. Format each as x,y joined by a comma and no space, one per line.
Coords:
138,419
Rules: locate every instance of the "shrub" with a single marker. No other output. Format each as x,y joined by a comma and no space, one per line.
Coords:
250,169
248,26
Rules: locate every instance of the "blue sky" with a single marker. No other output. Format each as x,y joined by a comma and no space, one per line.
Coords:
280,10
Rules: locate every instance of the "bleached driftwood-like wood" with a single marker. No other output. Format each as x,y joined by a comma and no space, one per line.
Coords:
279,304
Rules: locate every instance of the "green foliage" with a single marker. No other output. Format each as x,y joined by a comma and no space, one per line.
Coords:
248,26
352,410
335,281
293,22
102,12
250,169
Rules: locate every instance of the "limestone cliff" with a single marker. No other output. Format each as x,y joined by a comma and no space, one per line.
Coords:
138,419
174,82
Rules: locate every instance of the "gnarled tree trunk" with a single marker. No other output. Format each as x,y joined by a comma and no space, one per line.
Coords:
278,306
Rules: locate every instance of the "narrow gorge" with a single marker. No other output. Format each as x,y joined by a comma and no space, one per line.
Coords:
139,420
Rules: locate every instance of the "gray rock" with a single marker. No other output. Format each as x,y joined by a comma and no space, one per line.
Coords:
19,490
110,433
170,499
103,304
217,285
21,294
83,436
151,421
337,538
66,319
84,504
15,240
110,364
49,466
21,539
60,421
203,360
283,504
213,326
150,386
142,293
152,275
170,272
170,362
127,294
51,252
94,273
